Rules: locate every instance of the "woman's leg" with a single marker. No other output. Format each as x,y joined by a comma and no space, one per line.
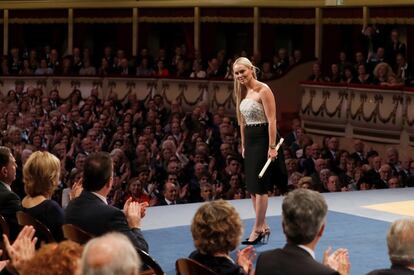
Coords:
260,206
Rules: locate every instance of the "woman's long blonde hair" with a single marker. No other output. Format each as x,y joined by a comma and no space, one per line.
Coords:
238,88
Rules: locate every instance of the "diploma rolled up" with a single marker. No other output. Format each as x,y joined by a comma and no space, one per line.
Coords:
269,160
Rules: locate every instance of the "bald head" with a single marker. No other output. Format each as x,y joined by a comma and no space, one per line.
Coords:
110,254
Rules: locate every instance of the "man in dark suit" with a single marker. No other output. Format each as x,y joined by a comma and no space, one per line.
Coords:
90,210
170,194
359,154
291,137
303,221
9,201
332,152
400,241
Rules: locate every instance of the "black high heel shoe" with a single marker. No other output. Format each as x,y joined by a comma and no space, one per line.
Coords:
259,238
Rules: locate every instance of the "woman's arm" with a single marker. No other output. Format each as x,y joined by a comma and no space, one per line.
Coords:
242,137
269,105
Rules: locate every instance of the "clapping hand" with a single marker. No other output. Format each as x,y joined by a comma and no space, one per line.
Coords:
338,260
23,248
245,258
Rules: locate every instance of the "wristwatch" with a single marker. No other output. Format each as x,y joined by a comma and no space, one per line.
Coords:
272,146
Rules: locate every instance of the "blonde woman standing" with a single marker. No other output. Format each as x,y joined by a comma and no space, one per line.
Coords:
256,114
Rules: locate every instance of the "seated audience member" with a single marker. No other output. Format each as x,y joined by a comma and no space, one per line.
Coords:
400,242
217,229
404,70
160,70
393,160
334,75
303,221
74,188
305,183
349,75
144,69
198,71
170,194
385,174
359,154
90,210
291,136
333,184
135,190
55,259
316,75
363,77
110,254
9,201
381,73
293,182
207,192
87,68
394,182
41,174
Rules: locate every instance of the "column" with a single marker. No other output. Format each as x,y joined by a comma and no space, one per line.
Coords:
5,32
134,31
256,30
70,32
197,28
365,18
318,33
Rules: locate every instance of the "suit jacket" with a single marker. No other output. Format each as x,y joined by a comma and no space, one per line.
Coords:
9,205
290,260
94,216
394,270
358,158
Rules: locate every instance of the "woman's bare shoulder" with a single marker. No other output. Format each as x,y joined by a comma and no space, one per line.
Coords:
263,88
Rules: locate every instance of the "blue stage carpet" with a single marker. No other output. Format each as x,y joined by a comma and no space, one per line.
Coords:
364,238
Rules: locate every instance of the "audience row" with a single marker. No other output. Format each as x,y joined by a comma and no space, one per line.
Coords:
180,63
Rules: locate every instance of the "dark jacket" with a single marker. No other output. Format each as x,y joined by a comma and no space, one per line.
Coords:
94,216
394,270
290,259
9,205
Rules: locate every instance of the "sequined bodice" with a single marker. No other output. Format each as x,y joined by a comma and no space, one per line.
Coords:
252,111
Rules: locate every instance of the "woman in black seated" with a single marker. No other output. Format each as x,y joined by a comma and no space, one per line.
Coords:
41,177
349,75
334,75
216,230
363,76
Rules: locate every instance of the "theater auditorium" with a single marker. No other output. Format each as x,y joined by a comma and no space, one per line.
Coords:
206,137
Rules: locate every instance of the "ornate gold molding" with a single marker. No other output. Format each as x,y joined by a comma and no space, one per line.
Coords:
392,20
38,21
342,21
217,19
103,20
47,4
295,21
148,19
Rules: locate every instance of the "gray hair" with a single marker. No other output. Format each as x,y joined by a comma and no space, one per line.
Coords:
303,214
400,240
110,254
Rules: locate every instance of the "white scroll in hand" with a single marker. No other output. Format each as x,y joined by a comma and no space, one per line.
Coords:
269,160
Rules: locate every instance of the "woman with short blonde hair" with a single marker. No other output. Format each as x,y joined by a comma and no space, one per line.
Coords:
41,174
41,177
